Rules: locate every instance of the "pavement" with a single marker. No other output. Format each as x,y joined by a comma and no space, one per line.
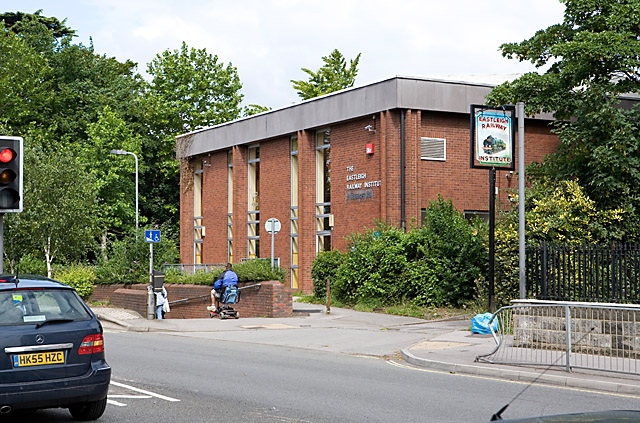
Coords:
445,345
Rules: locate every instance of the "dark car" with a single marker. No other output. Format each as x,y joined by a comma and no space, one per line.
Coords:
51,349
613,416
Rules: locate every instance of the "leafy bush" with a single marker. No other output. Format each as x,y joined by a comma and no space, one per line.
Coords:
372,266
123,263
437,264
259,270
127,261
324,267
459,250
32,265
79,276
200,277
247,271
557,211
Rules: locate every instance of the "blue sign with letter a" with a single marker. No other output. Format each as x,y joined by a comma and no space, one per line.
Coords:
151,236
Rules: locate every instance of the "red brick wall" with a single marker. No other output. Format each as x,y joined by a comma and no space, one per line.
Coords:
275,198
240,188
270,299
390,157
348,151
214,208
306,207
186,211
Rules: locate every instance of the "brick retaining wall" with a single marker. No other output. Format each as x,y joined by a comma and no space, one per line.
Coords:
269,299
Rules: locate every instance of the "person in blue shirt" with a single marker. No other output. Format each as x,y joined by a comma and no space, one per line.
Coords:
227,278
161,299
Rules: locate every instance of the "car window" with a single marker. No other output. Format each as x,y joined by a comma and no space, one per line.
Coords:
39,305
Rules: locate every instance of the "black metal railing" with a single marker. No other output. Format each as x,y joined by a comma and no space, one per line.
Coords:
569,272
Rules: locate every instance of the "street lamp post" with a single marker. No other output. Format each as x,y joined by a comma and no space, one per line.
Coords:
124,153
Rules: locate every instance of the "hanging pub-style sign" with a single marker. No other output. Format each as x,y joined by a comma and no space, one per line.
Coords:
492,137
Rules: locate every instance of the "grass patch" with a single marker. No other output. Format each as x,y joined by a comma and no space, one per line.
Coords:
98,303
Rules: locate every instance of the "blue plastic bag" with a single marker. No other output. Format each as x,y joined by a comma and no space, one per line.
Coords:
480,323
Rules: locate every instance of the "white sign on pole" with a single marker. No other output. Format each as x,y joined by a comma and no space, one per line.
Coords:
272,225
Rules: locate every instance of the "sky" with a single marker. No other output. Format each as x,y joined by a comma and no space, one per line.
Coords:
269,41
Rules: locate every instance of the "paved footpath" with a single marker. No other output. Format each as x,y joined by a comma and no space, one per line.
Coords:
442,345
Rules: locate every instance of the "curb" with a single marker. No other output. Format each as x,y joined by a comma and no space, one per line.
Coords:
110,319
522,376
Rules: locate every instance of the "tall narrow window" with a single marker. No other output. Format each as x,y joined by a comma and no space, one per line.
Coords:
230,206
253,203
197,212
294,211
323,191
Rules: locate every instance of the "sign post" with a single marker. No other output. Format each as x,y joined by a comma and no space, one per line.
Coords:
491,147
521,234
151,237
272,226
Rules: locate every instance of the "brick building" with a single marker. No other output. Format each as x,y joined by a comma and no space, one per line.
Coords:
331,166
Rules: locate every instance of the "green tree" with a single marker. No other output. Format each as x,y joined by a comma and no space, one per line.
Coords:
597,46
190,89
76,83
113,176
592,60
60,208
254,109
84,83
332,76
24,86
17,20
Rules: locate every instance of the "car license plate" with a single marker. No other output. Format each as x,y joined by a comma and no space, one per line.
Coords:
38,359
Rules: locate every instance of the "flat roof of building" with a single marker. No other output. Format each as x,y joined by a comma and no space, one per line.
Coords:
399,92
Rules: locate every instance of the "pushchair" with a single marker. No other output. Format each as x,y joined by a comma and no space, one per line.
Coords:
230,296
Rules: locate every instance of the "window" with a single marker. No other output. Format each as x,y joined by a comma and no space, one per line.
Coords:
323,191
294,211
197,212
253,203
471,215
433,149
230,206
39,305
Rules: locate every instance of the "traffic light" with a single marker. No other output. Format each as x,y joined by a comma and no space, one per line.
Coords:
11,165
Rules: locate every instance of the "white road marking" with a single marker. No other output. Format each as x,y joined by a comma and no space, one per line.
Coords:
129,396
119,404
518,382
142,391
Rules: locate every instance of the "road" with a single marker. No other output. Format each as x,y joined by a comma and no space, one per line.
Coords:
162,377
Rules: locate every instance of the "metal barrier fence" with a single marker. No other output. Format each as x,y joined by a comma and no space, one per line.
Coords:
568,272
192,268
580,335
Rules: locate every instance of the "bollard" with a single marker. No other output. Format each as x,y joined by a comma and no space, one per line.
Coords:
151,304
328,297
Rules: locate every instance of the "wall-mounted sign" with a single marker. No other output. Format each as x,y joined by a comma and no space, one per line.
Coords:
358,181
360,195
370,148
492,137
358,186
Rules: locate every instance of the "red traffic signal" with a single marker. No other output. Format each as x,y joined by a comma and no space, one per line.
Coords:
6,155
11,164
